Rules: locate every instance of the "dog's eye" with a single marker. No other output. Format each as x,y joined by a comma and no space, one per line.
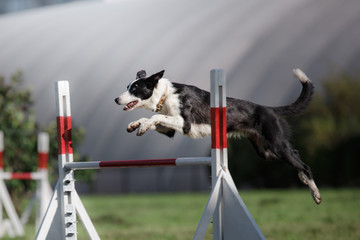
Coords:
133,88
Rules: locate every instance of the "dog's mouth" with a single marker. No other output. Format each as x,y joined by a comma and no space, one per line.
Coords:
130,105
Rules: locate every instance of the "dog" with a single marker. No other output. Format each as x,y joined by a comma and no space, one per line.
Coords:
186,109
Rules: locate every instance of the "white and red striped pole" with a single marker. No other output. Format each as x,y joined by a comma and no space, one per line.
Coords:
21,175
60,221
218,117
43,191
43,150
140,163
218,140
65,155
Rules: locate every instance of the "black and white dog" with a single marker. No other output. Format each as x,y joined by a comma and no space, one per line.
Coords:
186,109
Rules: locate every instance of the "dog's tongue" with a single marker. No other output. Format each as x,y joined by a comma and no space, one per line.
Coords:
130,105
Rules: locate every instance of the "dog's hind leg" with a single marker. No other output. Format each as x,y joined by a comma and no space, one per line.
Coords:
292,157
267,154
315,193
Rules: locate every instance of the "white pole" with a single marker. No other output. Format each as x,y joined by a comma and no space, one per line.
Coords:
218,105
209,211
65,155
50,218
43,195
85,219
43,143
193,161
59,221
10,210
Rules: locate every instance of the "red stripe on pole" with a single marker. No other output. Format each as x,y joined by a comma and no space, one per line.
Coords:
223,128
215,128
138,163
22,176
64,135
218,128
43,160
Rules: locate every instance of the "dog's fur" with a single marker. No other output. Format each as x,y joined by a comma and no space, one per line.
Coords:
186,109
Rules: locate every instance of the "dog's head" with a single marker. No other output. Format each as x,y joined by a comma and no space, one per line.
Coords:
139,90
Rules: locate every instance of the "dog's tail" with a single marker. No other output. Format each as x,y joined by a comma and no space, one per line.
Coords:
303,100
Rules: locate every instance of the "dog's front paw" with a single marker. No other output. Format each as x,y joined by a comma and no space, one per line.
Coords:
141,132
134,125
145,126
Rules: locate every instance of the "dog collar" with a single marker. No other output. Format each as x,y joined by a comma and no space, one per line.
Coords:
161,101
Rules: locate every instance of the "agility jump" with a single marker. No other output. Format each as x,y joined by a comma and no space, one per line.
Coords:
14,225
231,219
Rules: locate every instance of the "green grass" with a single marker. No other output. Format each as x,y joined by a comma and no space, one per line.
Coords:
280,214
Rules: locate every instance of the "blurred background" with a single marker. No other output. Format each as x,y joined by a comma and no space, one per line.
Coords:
100,45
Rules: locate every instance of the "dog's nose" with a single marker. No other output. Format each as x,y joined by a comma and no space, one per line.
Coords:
117,100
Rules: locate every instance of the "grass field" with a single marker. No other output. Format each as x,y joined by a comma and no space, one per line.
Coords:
280,214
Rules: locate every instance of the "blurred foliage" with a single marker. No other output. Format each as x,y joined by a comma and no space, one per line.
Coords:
327,135
17,121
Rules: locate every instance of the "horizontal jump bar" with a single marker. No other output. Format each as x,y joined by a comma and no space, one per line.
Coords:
139,163
21,175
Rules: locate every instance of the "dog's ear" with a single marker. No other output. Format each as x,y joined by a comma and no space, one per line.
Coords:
154,79
141,74
160,74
